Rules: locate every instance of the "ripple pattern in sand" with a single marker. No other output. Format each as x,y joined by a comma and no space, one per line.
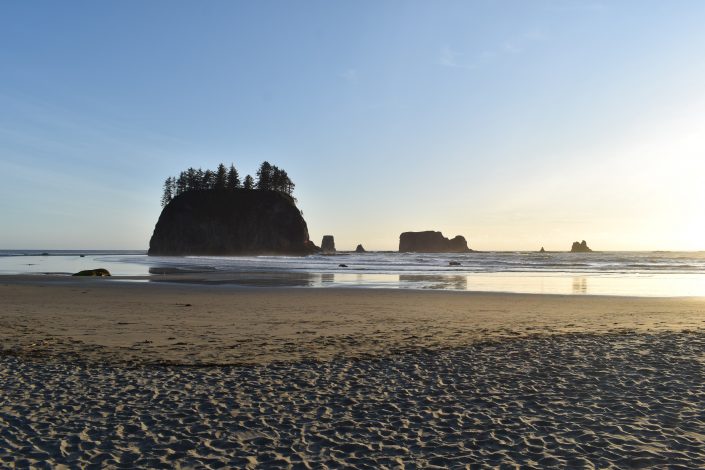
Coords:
621,400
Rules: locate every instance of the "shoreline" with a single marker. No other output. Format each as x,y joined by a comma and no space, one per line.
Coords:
260,281
617,274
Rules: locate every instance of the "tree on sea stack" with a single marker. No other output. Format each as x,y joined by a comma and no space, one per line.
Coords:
208,180
221,177
193,178
233,178
181,184
269,178
264,176
280,181
169,186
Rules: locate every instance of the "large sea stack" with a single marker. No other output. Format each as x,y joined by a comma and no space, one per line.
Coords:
231,222
431,242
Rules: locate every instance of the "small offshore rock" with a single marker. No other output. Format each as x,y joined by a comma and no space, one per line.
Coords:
454,263
359,249
328,245
580,247
342,265
93,272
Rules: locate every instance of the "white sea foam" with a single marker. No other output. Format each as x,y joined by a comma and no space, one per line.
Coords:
439,263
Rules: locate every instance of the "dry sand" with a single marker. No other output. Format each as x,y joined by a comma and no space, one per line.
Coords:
97,371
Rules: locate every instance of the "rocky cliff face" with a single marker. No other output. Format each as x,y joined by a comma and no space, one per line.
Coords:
230,222
431,242
580,247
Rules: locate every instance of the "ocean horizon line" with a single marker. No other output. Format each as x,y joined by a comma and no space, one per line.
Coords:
35,251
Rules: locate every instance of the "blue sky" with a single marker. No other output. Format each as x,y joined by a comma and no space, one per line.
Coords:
516,124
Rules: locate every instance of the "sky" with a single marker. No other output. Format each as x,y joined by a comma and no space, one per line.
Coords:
515,124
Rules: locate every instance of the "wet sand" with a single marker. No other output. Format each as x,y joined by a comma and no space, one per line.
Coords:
104,320
154,375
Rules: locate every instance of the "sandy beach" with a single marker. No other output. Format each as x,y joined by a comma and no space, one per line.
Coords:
124,322
136,374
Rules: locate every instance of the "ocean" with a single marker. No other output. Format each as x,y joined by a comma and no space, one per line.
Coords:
658,273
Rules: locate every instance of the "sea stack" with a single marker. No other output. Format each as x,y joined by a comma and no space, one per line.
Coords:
359,249
580,247
328,245
431,242
230,222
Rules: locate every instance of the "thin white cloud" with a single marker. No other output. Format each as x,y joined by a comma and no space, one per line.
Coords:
512,47
580,6
350,75
518,44
451,58
535,35
487,55
448,57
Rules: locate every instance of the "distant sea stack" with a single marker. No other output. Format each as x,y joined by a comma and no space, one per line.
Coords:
580,247
431,242
359,249
230,222
328,245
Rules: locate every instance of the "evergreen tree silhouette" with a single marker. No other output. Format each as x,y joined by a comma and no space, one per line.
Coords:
275,178
198,180
233,178
269,177
168,191
181,183
221,177
287,185
264,176
208,181
192,179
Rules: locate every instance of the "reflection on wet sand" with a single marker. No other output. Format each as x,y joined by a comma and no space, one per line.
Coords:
245,279
303,279
652,285
433,282
181,269
579,285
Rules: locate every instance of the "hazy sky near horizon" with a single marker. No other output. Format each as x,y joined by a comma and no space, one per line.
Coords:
518,124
